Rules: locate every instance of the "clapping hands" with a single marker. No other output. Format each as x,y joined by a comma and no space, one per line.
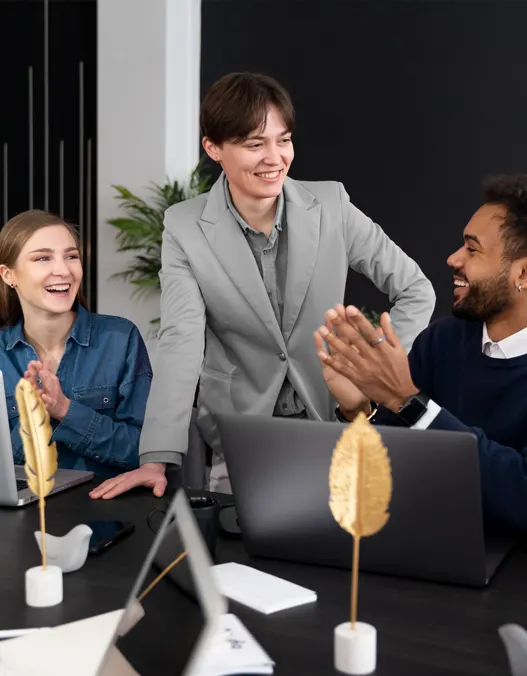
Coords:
364,358
48,386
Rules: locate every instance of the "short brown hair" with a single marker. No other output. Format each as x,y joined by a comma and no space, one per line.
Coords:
13,237
236,105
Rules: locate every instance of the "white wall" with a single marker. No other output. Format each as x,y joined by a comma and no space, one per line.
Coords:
148,120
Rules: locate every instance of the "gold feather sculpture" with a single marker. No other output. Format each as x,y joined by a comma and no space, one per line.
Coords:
360,487
41,456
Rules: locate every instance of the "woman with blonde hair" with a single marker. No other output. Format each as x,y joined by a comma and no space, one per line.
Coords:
92,371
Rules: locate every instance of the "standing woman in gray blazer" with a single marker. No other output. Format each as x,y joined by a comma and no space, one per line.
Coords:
249,270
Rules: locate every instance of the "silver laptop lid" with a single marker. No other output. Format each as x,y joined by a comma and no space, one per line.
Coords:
8,491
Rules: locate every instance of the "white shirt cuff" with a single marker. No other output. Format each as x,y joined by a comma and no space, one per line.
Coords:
428,417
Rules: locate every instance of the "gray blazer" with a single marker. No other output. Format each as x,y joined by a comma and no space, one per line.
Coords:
212,292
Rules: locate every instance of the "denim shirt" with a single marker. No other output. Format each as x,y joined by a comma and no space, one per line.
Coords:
106,374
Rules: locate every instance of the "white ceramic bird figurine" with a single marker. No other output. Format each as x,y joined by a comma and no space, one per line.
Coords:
68,552
515,639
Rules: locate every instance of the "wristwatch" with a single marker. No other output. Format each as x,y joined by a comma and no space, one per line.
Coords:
414,408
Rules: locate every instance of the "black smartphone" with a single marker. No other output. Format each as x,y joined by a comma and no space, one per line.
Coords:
106,533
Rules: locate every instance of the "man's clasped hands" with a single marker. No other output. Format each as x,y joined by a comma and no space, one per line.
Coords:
362,363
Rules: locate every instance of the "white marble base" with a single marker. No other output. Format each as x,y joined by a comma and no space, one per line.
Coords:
43,587
355,650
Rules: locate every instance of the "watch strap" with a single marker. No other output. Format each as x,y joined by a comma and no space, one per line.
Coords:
341,418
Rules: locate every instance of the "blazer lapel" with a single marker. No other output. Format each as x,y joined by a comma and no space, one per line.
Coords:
303,232
228,242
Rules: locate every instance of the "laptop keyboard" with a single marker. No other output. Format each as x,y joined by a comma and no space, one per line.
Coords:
21,484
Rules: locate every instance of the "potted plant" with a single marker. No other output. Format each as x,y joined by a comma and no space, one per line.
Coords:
141,230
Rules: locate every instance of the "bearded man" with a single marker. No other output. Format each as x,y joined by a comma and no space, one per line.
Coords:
464,373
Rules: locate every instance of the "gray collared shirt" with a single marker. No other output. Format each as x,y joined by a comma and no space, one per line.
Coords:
270,255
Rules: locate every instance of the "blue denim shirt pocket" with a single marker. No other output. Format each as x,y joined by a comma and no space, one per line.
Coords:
101,398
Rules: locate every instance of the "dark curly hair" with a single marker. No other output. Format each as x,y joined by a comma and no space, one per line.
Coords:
511,192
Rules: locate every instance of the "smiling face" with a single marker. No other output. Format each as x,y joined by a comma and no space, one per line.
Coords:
485,281
257,165
47,273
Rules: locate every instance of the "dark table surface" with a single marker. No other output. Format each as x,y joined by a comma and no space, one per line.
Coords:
424,629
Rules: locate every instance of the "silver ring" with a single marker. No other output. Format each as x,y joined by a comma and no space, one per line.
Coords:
379,340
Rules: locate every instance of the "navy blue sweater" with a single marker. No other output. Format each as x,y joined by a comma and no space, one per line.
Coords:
483,395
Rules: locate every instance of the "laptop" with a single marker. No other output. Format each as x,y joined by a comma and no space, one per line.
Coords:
14,491
279,469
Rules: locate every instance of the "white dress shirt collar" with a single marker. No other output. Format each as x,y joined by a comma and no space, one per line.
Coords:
512,346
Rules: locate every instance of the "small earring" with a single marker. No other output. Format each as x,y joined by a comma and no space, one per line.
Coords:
520,288
13,285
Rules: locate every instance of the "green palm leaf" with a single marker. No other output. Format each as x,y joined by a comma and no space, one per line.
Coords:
141,230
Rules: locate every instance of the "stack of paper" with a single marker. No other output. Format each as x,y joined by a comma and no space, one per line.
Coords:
260,591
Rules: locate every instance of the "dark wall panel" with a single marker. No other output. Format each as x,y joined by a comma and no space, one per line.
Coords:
63,178
408,103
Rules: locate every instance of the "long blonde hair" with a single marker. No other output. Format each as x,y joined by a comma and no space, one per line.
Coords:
13,237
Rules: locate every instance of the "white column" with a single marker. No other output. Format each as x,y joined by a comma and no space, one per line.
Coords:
148,120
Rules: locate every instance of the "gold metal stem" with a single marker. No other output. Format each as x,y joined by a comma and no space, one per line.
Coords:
41,505
161,576
355,581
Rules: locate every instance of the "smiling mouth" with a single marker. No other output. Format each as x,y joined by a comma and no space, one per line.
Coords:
461,288
268,175
58,288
